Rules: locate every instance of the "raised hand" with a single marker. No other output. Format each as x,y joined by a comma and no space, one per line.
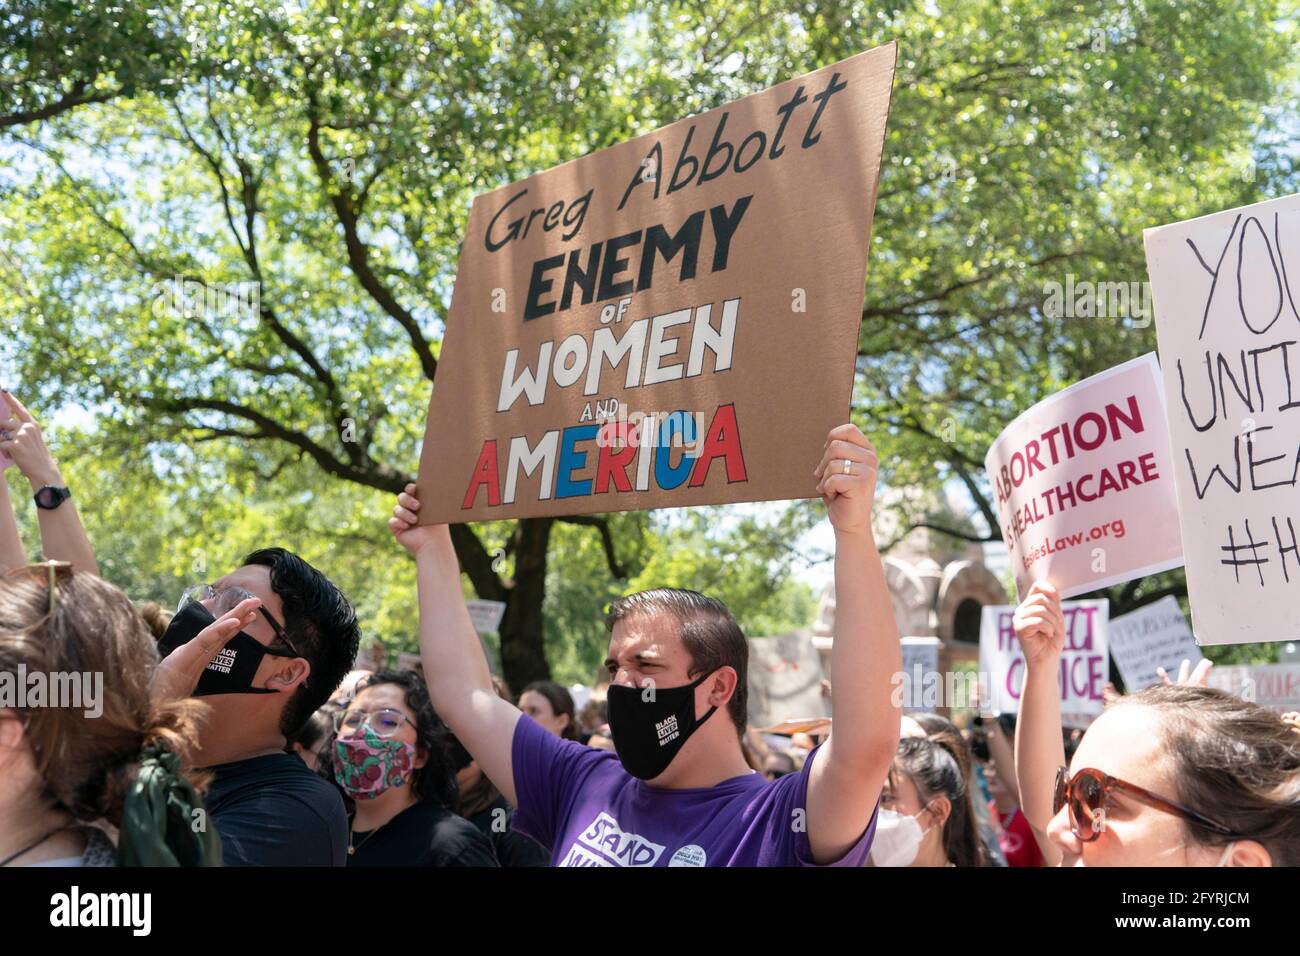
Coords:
179,672
1040,624
1193,678
847,479
22,441
403,523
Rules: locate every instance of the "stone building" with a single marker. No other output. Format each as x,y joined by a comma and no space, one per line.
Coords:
930,600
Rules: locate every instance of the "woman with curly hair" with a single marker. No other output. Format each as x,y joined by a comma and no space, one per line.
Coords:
390,755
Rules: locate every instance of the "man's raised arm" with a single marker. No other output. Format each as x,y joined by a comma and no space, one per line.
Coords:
849,770
455,670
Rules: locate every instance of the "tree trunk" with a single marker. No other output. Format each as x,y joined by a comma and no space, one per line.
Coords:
523,648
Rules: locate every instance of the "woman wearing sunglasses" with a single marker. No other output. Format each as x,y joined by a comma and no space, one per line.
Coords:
391,758
116,752
1174,775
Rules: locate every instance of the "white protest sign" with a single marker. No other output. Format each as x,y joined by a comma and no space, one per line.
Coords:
486,615
1275,686
1083,485
1084,662
785,679
917,689
1153,636
1226,289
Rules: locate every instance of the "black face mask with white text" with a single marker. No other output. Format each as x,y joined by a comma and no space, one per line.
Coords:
648,733
233,668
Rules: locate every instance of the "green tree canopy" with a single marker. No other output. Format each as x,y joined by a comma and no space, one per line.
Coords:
305,183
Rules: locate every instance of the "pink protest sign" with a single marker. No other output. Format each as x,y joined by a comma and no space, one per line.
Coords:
1084,483
1085,665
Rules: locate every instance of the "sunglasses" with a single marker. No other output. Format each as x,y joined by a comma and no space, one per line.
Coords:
383,723
225,599
1089,795
47,572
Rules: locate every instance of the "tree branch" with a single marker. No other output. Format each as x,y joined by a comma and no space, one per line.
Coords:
606,539
1173,590
247,243
70,100
359,253
900,308
962,535
377,476
477,563
474,558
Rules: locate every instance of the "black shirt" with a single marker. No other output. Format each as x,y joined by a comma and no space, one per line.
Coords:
273,811
512,847
423,834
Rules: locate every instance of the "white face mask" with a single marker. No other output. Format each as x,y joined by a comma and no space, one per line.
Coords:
897,839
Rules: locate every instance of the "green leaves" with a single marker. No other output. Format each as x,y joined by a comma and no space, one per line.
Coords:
326,155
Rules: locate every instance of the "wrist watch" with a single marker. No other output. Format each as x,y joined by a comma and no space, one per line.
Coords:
51,496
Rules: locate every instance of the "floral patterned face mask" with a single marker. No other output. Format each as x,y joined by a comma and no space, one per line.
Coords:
366,764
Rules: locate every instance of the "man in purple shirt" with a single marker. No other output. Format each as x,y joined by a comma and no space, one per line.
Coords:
679,792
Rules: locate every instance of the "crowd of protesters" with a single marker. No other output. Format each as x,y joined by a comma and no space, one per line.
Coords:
237,731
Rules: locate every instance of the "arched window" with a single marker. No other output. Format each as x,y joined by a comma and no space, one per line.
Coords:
966,621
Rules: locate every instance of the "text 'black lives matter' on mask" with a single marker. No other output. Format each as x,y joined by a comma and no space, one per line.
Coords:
233,668
650,725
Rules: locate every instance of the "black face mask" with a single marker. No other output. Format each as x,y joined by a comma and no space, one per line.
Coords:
648,733
235,665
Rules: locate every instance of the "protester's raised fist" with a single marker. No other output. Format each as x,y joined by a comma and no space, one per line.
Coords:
846,479
1040,624
409,534
21,440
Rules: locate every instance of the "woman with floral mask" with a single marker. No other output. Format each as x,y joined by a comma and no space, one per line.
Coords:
390,757
925,812
1174,775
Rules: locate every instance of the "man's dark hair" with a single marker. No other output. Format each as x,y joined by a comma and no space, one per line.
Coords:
319,622
708,631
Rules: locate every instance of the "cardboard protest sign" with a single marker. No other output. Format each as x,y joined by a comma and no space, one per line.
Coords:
1275,686
669,321
1150,637
785,679
806,725
1226,290
917,690
1084,662
1083,483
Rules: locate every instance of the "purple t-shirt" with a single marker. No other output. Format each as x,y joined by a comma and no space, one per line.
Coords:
592,812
